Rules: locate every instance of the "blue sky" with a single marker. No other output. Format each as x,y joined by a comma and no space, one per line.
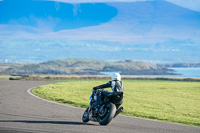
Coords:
44,19
139,25
52,16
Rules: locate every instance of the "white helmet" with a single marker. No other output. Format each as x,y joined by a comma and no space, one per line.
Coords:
116,76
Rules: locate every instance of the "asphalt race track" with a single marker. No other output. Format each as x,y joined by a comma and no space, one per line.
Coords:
21,112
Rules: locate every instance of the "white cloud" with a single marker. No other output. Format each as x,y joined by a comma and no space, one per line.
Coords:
96,1
76,9
190,4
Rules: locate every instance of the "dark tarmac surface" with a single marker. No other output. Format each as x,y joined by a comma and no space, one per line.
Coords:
21,112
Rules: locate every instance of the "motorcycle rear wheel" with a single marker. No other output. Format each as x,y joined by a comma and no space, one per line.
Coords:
111,109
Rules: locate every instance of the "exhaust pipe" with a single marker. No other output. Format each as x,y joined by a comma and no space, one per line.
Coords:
118,111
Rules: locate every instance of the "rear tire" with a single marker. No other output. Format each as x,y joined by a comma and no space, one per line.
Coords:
111,109
85,117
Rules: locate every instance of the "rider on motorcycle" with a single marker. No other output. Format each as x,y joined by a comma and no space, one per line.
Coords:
117,87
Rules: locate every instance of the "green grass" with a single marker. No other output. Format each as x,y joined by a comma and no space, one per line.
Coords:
2,77
7,77
172,101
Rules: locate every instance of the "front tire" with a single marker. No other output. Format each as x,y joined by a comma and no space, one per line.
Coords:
111,109
85,117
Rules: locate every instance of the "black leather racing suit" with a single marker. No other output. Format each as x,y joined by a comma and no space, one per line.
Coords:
117,86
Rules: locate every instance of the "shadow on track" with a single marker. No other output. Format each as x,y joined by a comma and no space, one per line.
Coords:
48,122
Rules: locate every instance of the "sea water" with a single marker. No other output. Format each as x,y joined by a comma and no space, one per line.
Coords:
181,72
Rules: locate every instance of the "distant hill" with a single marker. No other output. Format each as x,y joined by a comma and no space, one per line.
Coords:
84,67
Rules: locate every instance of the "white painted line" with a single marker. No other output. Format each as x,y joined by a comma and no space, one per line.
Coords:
29,91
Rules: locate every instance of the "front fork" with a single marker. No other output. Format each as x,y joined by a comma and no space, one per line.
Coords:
91,112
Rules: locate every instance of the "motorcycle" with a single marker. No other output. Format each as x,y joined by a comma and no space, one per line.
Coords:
105,108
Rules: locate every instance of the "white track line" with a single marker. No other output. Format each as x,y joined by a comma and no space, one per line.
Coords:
29,91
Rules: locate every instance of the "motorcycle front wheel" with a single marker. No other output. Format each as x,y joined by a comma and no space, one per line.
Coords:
111,109
85,117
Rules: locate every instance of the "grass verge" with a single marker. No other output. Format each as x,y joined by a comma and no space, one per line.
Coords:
8,77
171,101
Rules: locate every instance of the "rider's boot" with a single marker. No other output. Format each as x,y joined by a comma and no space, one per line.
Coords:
118,111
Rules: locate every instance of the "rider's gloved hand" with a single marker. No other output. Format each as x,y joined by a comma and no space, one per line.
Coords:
95,88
